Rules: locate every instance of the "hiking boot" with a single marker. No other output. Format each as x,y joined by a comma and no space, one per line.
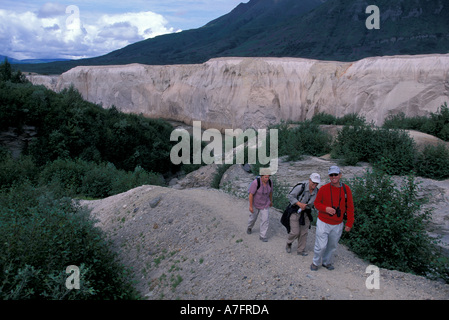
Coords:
303,253
313,267
329,266
248,231
263,239
288,248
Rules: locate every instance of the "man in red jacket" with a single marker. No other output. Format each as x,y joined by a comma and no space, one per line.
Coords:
333,201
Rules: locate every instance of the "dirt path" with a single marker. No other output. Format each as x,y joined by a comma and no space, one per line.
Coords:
192,244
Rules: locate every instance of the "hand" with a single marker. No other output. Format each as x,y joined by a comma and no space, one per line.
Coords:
271,204
330,211
251,209
303,206
347,229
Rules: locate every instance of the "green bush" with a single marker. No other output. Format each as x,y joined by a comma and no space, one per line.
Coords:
352,144
433,162
436,124
280,191
302,139
19,170
64,175
127,180
324,118
79,178
391,225
376,145
105,180
400,121
97,182
41,235
351,119
74,178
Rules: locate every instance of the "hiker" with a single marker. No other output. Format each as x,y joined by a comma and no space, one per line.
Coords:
302,197
260,200
333,202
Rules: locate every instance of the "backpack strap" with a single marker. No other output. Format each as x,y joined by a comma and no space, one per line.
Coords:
303,188
258,183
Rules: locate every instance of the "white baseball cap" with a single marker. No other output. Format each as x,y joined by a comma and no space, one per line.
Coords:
315,177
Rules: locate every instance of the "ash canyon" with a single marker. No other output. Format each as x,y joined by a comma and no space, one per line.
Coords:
246,93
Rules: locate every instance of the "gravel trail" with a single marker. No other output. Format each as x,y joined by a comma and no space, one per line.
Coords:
192,244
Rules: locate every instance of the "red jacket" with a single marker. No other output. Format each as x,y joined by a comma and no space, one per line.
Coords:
323,200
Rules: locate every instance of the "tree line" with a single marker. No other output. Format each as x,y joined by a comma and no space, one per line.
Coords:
79,150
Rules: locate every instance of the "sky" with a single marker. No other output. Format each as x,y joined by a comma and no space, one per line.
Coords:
76,29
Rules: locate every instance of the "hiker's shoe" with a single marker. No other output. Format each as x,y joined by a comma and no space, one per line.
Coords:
263,239
248,231
288,248
313,267
303,253
329,266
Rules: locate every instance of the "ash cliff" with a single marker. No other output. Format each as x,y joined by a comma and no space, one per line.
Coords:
255,92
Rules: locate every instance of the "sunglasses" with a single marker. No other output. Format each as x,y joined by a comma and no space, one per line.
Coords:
333,175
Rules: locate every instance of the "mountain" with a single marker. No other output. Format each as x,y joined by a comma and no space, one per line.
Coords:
215,39
336,30
10,60
34,61
29,61
317,29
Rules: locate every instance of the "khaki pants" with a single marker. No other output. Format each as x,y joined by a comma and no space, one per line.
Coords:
298,232
264,220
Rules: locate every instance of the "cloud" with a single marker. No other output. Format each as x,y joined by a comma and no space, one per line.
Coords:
120,31
144,24
57,31
50,9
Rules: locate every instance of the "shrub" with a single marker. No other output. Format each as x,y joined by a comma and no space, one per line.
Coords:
393,149
64,175
41,235
351,119
433,162
436,124
352,144
125,181
12,170
324,118
221,170
280,191
303,139
97,182
79,178
400,121
391,226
